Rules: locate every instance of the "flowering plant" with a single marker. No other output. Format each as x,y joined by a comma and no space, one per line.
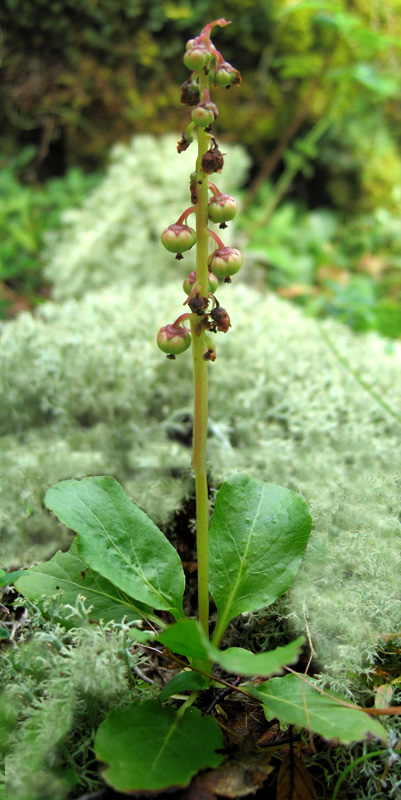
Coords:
247,555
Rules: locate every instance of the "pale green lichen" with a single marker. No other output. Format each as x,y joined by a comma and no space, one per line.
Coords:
57,686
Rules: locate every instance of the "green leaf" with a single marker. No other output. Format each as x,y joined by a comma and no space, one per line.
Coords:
119,541
67,573
184,682
4,633
148,747
7,578
296,702
243,662
257,538
187,638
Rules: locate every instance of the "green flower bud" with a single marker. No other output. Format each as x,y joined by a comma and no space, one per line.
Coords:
178,238
226,75
204,114
196,57
213,282
222,208
225,261
173,339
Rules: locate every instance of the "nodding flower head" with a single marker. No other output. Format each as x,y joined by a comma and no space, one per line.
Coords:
204,114
191,278
222,208
225,261
226,75
196,56
177,238
173,339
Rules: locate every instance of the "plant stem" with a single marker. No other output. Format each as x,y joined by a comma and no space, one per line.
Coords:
200,383
188,703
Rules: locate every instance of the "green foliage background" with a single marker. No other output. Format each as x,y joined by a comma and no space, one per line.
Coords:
87,74
317,111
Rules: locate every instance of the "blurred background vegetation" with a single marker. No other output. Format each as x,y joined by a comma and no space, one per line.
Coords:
318,111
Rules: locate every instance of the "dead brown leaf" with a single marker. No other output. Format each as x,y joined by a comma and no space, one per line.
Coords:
236,778
294,782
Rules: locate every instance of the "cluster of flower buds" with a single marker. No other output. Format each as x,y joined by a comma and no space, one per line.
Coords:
201,53
175,338
208,67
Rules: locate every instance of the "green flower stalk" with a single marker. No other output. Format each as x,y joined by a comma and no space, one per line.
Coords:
208,69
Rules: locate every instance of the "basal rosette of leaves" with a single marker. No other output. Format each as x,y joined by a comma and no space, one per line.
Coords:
295,416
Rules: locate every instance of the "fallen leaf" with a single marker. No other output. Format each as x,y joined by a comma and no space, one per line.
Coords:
294,782
236,778
384,695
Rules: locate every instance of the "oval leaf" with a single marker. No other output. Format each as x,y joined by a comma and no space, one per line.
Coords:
67,573
149,747
257,538
296,702
119,541
186,638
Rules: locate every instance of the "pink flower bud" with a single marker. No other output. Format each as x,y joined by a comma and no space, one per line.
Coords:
196,57
225,261
213,282
222,208
173,339
204,114
178,238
